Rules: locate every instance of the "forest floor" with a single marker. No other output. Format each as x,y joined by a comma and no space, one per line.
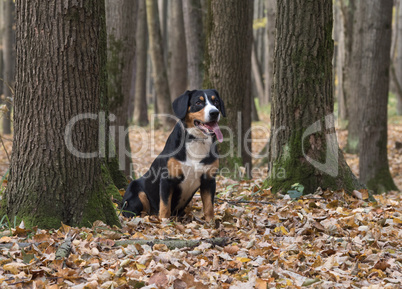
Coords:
259,240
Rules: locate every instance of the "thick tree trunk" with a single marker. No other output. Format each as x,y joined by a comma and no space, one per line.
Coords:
269,60
398,61
60,74
8,60
158,66
120,24
373,96
228,70
177,51
193,25
140,106
303,145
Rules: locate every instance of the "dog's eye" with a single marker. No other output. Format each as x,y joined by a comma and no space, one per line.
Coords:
198,102
216,102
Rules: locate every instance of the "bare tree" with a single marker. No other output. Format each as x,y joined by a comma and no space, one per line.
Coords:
140,106
8,61
271,7
193,26
228,70
375,41
303,146
158,66
50,180
177,51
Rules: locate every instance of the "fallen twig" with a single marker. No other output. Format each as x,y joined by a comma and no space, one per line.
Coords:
174,244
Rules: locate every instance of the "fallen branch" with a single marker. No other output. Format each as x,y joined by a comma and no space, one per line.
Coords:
65,248
174,244
244,202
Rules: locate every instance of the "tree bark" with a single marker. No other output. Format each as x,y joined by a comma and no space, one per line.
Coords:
351,70
373,95
177,51
1,49
193,26
228,66
140,106
8,60
303,146
271,7
60,75
398,60
339,60
256,71
120,24
158,66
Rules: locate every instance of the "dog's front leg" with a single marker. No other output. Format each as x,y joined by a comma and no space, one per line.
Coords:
207,189
165,195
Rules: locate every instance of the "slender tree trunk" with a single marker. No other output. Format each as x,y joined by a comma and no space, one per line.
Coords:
8,60
228,70
158,66
398,61
340,61
193,25
351,70
303,145
178,51
1,49
163,20
140,106
271,7
256,71
60,85
373,166
120,23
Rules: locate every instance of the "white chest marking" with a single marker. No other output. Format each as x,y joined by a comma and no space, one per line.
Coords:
193,169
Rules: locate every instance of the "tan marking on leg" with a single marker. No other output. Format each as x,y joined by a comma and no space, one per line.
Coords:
164,209
146,208
174,168
207,205
191,116
213,170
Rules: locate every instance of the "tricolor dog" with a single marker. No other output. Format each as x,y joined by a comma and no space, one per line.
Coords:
188,162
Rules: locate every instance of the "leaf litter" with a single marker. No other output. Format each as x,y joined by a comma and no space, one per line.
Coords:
328,239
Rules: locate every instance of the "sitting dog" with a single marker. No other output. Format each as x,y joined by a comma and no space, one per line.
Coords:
188,162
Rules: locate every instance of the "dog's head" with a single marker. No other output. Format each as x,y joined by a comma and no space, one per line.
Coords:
200,111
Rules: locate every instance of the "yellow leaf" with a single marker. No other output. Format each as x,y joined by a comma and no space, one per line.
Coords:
140,266
14,268
396,221
243,259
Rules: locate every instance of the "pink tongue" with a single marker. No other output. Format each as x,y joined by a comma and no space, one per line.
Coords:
217,131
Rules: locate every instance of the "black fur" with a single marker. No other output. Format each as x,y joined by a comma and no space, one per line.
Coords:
157,184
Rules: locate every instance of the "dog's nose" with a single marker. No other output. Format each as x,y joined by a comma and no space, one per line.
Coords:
214,114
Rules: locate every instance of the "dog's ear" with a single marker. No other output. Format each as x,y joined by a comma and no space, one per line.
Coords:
180,104
222,105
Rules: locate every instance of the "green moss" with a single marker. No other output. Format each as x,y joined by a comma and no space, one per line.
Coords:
111,188
99,207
